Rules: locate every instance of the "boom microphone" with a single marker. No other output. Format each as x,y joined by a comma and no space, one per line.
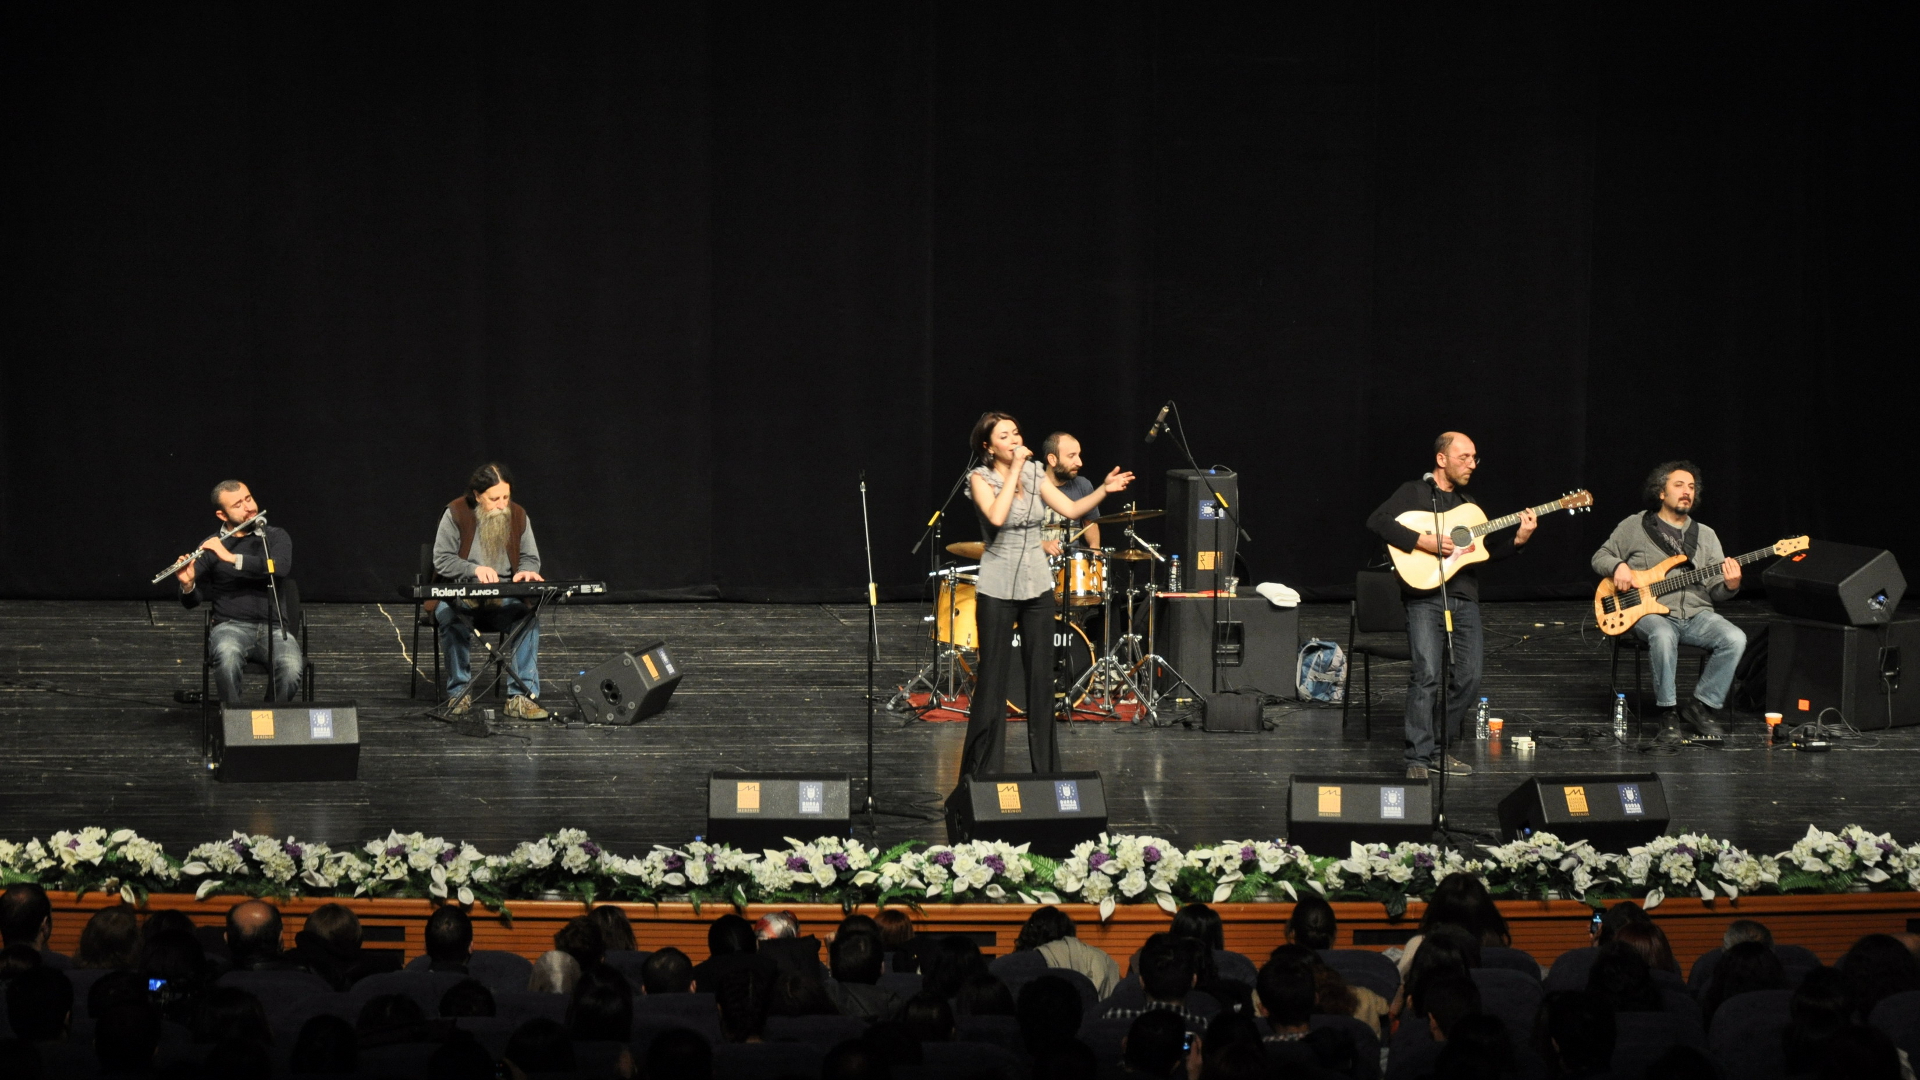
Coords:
1159,423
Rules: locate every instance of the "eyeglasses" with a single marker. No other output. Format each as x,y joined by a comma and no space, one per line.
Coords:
1473,461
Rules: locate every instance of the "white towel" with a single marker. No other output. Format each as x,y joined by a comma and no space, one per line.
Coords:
1277,594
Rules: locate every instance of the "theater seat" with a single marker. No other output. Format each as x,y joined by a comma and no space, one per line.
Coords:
1899,1016
1361,967
1745,1034
1644,1036
760,1061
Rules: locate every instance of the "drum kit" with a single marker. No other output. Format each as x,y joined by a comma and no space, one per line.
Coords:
1089,678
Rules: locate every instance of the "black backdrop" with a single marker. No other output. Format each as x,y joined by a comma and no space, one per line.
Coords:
690,270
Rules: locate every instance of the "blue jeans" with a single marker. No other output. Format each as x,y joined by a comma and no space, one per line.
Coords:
1427,640
1664,635
456,642
233,643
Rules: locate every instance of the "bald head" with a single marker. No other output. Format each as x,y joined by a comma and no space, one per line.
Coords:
253,932
1454,457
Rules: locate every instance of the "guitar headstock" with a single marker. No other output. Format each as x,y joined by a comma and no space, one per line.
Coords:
1575,501
1789,546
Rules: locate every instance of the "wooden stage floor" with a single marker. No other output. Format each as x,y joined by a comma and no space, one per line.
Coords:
93,736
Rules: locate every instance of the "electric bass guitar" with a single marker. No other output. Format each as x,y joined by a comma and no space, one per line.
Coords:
1617,611
1464,525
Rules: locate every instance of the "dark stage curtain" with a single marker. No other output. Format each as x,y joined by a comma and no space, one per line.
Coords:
692,270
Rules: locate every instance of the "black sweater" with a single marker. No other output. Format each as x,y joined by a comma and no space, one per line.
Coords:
240,594
1419,495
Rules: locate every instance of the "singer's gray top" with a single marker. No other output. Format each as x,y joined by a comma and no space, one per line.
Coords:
449,565
1014,567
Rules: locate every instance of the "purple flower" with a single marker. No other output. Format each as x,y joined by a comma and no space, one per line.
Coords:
675,864
397,850
837,860
1247,854
1850,844
1883,846
296,851
1098,859
74,844
945,858
995,863
796,864
1151,854
239,846
1687,851
592,849
1423,860
446,857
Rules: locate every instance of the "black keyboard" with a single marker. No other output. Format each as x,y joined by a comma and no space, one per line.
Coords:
483,590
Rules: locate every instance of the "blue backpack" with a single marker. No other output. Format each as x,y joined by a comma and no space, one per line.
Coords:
1322,675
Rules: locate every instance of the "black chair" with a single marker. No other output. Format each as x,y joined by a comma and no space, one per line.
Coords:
1378,612
1635,644
423,620
295,625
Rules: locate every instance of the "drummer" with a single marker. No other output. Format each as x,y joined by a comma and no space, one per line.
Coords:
1062,452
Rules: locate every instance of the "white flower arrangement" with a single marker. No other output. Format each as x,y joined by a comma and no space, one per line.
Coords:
1543,862
806,869
1121,866
957,873
1250,868
263,866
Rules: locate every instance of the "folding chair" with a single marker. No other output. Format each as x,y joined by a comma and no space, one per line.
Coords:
1377,611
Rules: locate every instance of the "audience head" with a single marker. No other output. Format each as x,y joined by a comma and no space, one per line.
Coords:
555,972
1623,914
679,1054
1579,1032
854,1060
1740,930
953,958
1312,923
336,929
253,932
1068,1059
230,1014
1621,975
1461,900
667,971
799,992
1224,1049
983,994
602,1006
1201,923
111,940
468,997
1878,966
580,939
540,1045
461,1057
1445,1000
166,921
1045,926
1286,993
743,997
175,957
326,1044
1815,1014
929,1018
1156,1041
1651,943
855,958
1049,1012
775,925
1859,1053
895,1043
616,930
40,1004
1166,969
18,958
1479,1048
1444,950
896,927
389,1012
730,934
125,1038
857,924
114,989
26,915
449,935
1746,967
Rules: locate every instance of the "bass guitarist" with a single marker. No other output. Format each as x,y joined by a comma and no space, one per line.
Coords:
1455,459
1645,539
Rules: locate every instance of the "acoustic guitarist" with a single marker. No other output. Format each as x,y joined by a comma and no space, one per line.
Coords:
1645,539
1455,459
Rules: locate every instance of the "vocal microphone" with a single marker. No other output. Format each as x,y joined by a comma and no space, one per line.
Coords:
1159,423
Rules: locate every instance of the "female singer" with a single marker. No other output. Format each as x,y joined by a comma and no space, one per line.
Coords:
1015,586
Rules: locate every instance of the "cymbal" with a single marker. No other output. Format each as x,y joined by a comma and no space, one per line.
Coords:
967,549
1130,555
1128,517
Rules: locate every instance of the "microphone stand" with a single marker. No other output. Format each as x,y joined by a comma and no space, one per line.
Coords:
1446,672
273,611
943,651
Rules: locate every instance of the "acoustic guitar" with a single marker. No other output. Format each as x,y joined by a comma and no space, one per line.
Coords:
1617,611
1464,525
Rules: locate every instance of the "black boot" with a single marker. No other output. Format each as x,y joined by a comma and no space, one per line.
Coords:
1669,729
1699,725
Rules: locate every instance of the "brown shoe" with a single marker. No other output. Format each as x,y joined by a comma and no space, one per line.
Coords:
521,707
460,706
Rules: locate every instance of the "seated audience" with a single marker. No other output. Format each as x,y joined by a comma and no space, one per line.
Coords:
1332,994
948,964
1877,967
1576,1032
17,958
1049,1012
667,971
928,1018
1478,1047
602,1012
1460,900
1155,1046
1745,967
779,939
110,941
1861,1053
894,1043
1569,970
253,938
742,998
468,997
983,995
540,1045
40,1005
616,929
1050,932
897,938
329,946
556,972
125,1040
1446,950
1198,922
731,946
800,993
1621,975
1445,1001
230,1015
461,1057
26,918
1286,1000
326,1044
856,971
679,1054
580,938
1817,1013
1651,943
1166,975
449,940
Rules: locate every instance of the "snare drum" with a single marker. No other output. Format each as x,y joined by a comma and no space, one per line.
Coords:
1080,578
953,619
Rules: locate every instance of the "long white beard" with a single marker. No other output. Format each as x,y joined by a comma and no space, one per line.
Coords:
490,538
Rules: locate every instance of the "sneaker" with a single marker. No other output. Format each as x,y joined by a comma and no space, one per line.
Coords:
1699,725
521,707
1455,767
460,706
1416,771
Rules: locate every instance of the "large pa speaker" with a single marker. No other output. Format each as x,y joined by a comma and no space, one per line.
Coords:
1327,815
307,740
760,810
1613,813
1816,666
1050,811
1837,583
1192,514
1256,645
625,687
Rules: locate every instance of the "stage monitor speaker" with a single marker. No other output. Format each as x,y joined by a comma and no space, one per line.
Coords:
625,687
1613,813
1816,666
1050,811
1256,644
758,810
306,740
1192,513
1837,583
1327,815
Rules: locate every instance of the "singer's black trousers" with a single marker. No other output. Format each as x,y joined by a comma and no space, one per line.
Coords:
986,744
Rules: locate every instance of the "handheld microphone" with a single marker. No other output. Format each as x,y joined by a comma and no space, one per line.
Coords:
1159,422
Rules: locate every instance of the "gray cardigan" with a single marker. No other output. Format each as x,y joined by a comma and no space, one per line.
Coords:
1631,544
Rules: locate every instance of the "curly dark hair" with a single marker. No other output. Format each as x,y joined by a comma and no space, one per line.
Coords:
1657,479
983,430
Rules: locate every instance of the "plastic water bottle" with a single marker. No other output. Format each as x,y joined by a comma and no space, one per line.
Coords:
1620,717
1482,729
1173,575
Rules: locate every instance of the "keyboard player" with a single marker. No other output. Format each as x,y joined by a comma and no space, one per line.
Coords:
484,536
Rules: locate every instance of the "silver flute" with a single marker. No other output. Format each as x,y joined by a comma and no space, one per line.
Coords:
181,563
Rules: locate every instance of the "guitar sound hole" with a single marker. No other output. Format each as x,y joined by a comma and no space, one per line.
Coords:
1462,537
